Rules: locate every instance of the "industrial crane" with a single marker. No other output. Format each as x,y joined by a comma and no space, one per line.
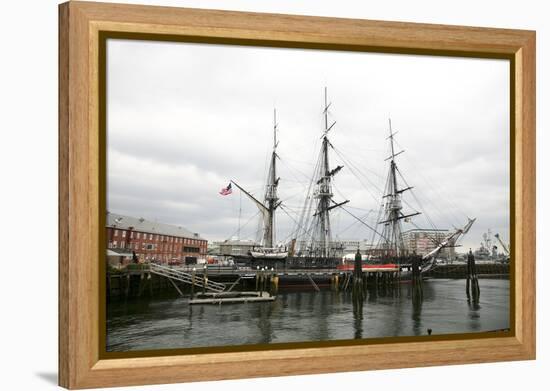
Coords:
504,246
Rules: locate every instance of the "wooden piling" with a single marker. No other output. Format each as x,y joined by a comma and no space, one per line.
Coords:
204,279
108,286
193,283
472,284
176,287
127,287
275,284
416,278
358,293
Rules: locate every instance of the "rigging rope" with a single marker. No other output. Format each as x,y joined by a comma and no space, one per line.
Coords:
245,224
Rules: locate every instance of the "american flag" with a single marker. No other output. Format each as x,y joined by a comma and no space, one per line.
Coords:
226,190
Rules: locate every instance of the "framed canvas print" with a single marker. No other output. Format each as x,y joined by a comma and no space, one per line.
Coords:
247,195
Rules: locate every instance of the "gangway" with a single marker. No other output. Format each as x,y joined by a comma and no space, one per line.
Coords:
187,278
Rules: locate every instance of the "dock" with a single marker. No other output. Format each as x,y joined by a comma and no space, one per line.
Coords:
232,297
137,280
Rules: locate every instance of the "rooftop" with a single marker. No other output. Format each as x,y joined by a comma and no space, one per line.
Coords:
238,242
425,230
139,224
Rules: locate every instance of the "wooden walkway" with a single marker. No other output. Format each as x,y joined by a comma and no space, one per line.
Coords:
232,297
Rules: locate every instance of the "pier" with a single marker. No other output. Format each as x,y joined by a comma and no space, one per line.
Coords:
232,297
137,280
460,270
152,280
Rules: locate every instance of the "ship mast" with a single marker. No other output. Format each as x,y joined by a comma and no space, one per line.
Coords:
324,194
393,241
324,191
271,199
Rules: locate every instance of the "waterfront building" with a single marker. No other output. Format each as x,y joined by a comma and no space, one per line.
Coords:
351,246
152,241
422,241
236,247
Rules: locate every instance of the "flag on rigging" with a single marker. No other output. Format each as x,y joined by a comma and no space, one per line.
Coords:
226,190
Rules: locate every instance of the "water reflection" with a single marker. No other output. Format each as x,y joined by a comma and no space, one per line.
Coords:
441,305
474,315
416,300
264,323
358,319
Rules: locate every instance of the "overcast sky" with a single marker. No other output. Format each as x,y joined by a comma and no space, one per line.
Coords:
184,119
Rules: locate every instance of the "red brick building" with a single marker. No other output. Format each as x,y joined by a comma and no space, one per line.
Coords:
152,241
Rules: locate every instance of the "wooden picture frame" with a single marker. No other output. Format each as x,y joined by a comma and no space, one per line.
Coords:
82,156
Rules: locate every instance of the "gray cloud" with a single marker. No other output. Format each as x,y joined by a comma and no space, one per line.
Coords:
184,119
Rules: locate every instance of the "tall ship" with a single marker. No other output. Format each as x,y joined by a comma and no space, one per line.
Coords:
313,243
390,247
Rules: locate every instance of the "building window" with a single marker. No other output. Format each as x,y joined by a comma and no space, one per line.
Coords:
131,235
116,232
114,243
123,234
122,244
191,249
138,235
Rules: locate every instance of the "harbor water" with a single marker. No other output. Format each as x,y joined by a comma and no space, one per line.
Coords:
149,324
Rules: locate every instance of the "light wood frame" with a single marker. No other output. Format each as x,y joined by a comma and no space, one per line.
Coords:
80,152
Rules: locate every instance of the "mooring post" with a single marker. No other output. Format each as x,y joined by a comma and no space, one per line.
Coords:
193,283
416,275
357,291
204,279
262,280
108,286
270,283
468,286
275,283
127,287
472,284
475,282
